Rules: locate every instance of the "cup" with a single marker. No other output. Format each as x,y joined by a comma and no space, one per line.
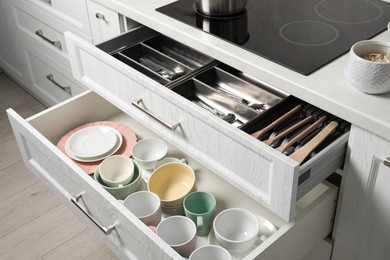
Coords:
200,206
145,205
180,233
116,170
210,252
169,160
148,151
236,229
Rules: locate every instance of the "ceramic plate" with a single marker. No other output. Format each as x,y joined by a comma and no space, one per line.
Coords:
93,143
266,230
128,140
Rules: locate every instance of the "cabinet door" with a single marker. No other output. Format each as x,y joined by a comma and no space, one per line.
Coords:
363,227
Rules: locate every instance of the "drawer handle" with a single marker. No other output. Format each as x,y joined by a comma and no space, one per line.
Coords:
387,162
100,16
54,43
68,90
106,230
169,126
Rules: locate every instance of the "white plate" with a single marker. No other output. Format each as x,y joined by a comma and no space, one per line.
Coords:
266,230
93,143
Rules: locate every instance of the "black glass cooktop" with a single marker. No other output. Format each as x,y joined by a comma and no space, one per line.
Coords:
302,35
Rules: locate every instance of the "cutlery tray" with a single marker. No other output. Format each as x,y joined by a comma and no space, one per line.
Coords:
158,57
229,94
306,110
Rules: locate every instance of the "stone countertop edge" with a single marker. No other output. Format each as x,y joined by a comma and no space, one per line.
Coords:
326,88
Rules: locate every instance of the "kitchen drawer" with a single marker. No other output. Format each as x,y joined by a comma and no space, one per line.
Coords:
37,137
49,80
73,13
268,176
105,23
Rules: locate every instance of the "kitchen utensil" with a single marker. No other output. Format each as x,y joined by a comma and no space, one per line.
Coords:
278,121
165,73
229,117
301,154
294,127
220,7
301,135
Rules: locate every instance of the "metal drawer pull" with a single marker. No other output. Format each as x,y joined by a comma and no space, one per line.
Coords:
387,162
100,16
54,43
106,230
66,89
169,126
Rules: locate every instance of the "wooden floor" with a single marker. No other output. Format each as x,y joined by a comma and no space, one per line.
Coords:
34,223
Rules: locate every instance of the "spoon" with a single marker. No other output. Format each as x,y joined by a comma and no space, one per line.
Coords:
229,117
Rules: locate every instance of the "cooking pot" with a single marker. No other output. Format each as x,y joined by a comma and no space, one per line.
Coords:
234,29
220,7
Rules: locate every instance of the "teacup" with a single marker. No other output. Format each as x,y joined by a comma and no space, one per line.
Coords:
200,206
236,229
116,170
210,252
145,205
172,182
167,160
148,151
180,233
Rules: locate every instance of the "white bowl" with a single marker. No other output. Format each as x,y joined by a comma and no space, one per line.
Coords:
116,170
148,151
236,229
368,76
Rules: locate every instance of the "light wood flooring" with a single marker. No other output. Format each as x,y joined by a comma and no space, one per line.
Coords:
34,224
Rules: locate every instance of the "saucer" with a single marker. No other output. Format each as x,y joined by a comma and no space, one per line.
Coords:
128,140
266,230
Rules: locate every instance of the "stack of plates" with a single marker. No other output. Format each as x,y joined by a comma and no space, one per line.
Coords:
93,143
87,145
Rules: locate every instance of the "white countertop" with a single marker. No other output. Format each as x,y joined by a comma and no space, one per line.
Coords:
326,88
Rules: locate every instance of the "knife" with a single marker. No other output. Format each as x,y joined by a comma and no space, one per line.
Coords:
301,154
287,115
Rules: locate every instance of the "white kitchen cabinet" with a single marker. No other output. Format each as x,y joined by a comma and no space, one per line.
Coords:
264,174
131,239
363,226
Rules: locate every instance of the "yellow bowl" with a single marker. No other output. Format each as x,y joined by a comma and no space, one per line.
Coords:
172,182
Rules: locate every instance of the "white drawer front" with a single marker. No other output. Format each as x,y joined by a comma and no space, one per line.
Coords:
71,12
132,239
105,23
263,173
51,84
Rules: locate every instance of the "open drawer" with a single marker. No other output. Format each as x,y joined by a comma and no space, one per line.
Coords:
131,239
264,174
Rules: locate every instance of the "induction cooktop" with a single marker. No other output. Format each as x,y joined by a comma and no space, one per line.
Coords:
302,35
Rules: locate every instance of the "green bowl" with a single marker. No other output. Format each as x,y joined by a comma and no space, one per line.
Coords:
121,193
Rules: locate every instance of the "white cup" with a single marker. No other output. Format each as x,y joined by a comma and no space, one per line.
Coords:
236,229
180,233
210,252
169,160
148,151
116,170
146,206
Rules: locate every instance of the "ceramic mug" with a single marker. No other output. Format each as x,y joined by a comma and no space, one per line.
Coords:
210,252
180,233
200,206
169,160
146,206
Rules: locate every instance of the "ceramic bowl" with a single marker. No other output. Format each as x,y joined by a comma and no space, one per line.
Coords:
148,151
236,229
210,252
121,193
172,182
116,170
368,76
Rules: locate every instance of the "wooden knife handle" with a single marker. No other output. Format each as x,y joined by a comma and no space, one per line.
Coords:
301,135
305,150
287,115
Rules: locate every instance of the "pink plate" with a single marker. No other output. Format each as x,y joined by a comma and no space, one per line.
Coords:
129,139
